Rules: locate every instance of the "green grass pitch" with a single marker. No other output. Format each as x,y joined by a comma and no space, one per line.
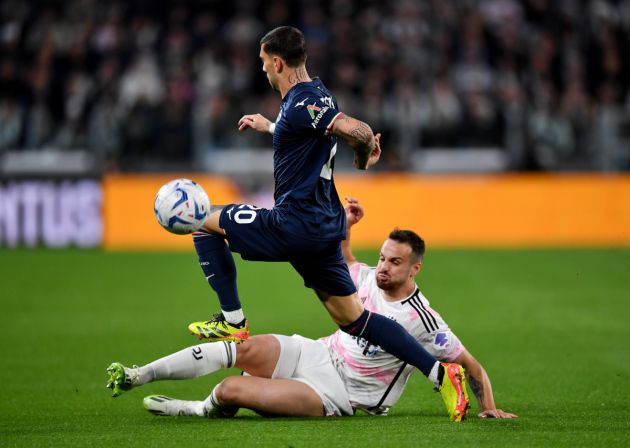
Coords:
552,328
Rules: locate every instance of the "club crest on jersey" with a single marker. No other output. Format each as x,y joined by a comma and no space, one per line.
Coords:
327,101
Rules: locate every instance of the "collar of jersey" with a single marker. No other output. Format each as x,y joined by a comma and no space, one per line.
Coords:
286,97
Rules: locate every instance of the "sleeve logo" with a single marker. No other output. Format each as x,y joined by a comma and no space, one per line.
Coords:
312,108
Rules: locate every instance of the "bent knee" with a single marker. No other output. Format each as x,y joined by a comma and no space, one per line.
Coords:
229,391
254,351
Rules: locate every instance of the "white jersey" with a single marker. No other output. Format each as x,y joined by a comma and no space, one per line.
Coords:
375,379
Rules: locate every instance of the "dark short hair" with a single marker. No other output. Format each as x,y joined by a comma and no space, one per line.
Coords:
412,239
288,43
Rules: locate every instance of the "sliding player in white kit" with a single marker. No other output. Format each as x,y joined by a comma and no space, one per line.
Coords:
296,376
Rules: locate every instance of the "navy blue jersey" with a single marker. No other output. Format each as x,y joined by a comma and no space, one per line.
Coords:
305,194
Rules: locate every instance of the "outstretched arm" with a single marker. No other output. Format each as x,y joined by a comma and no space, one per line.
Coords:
354,214
481,387
366,145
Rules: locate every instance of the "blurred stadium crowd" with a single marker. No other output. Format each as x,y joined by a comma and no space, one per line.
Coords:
154,84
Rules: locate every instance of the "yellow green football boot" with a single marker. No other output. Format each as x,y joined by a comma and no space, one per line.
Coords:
454,392
218,329
121,378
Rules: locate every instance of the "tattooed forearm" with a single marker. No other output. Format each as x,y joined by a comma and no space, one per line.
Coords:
356,133
477,388
362,142
299,75
362,134
359,136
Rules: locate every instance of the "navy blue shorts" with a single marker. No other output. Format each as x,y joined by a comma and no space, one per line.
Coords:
254,233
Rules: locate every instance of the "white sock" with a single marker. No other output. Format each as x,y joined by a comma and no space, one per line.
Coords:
211,404
433,375
212,407
234,317
191,362
195,408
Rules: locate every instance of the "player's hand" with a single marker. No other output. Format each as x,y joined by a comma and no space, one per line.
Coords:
376,152
496,413
354,211
257,122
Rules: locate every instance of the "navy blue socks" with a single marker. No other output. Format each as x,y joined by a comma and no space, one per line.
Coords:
218,266
392,338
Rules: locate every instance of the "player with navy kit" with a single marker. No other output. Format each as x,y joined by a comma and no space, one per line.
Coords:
307,223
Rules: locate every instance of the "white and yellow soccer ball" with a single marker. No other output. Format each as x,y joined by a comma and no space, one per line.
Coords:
181,206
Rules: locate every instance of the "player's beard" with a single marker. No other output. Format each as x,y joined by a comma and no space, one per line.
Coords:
382,285
390,283
386,284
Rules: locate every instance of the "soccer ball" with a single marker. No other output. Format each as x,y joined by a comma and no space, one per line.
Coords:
181,206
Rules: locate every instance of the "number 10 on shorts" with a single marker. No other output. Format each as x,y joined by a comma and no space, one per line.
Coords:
244,214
